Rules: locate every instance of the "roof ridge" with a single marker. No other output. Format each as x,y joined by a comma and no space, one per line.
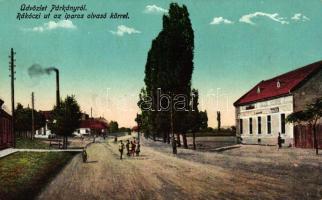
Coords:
297,69
292,78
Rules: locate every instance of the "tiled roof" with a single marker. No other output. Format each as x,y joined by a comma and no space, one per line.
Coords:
93,124
287,82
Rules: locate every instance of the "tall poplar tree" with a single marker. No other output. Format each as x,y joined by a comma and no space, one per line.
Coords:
169,66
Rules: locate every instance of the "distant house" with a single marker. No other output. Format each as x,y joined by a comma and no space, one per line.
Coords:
44,132
261,112
87,126
92,126
6,135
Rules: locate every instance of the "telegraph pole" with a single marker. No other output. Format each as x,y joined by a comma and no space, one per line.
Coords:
12,75
32,115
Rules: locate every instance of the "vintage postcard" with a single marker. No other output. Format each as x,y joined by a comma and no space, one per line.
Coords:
160,99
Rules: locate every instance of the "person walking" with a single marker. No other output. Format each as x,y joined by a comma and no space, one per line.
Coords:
121,148
84,155
128,147
279,141
133,148
137,151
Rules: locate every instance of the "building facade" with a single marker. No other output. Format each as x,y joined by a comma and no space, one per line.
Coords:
6,135
261,113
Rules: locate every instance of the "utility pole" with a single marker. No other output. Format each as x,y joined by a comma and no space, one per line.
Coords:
12,75
32,115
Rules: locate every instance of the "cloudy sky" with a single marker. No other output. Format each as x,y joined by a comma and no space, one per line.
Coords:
237,44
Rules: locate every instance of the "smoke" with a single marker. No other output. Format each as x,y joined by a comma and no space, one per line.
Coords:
37,70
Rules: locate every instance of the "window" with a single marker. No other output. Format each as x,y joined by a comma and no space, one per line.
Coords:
241,126
283,123
269,124
259,125
250,126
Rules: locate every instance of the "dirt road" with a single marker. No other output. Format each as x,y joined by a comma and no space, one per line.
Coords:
196,175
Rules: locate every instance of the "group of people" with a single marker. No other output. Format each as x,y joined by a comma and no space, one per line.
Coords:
132,148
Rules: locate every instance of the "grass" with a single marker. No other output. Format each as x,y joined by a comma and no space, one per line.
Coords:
210,134
26,143
23,174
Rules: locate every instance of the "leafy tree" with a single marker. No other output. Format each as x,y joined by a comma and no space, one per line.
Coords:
169,66
66,118
23,119
218,120
124,129
310,115
203,116
194,116
113,127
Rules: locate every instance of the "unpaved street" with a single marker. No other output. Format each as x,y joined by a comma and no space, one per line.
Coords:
242,173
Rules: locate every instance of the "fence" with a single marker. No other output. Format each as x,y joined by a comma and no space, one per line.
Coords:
303,136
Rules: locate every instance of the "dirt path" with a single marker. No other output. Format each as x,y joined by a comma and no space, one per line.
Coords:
159,175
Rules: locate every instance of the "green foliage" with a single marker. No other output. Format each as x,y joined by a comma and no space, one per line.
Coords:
298,117
25,143
23,119
169,66
22,171
311,115
198,119
203,119
113,127
218,120
124,129
66,117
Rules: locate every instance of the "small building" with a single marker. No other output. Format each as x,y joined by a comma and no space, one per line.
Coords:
261,113
6,135
92,126
44,132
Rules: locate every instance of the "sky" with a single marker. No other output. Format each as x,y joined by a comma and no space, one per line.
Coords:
238,43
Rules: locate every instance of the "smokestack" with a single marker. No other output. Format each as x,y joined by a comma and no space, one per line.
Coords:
36,70
57,88
48,70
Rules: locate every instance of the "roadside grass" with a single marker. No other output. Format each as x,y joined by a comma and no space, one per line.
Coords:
26,143
24,174
211,134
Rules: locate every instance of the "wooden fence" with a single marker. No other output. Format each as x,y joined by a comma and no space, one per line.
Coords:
303,136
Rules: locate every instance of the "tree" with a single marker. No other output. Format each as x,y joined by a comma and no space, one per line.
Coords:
23,119
203,119
66,118
194,116
310,115
113,127
218,120
169,66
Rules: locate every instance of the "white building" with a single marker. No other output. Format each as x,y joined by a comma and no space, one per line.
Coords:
261,113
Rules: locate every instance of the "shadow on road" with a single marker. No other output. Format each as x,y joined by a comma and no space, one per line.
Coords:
92,161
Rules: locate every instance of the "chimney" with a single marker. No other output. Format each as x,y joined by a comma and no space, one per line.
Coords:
57,88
